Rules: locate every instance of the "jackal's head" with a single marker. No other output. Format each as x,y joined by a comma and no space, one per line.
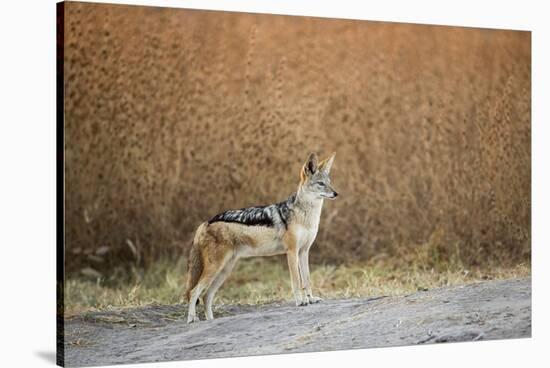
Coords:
315,177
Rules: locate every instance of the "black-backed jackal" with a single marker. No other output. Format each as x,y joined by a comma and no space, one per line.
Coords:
287,227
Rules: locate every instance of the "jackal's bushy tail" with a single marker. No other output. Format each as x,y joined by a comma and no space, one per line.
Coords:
194,263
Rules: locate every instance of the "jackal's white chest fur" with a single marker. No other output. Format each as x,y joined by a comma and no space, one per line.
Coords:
306,224
305,236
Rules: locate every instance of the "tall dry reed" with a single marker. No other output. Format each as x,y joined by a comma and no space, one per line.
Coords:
172,116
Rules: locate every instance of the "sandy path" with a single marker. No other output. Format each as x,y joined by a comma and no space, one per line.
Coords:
481,311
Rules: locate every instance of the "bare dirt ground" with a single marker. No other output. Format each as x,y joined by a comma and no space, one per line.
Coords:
481,311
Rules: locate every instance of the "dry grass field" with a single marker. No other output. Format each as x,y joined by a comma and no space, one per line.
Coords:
266,280
172,116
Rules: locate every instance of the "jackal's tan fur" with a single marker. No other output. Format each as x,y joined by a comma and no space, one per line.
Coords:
288,227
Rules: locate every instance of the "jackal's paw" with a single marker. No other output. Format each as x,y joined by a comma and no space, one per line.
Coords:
191,319
302,303
314,299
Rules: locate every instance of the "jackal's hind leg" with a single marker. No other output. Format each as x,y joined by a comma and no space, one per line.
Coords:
207,277
194,297
218,281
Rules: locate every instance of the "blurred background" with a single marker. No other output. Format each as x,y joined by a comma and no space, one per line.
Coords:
174,115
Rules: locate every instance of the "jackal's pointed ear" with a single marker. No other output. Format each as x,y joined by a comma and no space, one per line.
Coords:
310,166
326,164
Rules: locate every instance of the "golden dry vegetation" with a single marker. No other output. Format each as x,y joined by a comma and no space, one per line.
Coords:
266,280
172,116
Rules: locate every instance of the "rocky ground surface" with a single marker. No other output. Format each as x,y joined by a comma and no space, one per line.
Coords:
481,311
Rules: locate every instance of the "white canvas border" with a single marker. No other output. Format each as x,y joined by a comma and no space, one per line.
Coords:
27,199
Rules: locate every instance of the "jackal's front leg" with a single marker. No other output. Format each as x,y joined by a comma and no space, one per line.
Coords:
293,265
306,281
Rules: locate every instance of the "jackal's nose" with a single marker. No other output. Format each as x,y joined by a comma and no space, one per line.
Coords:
335,194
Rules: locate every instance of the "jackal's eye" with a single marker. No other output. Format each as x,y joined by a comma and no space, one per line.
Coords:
320,183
